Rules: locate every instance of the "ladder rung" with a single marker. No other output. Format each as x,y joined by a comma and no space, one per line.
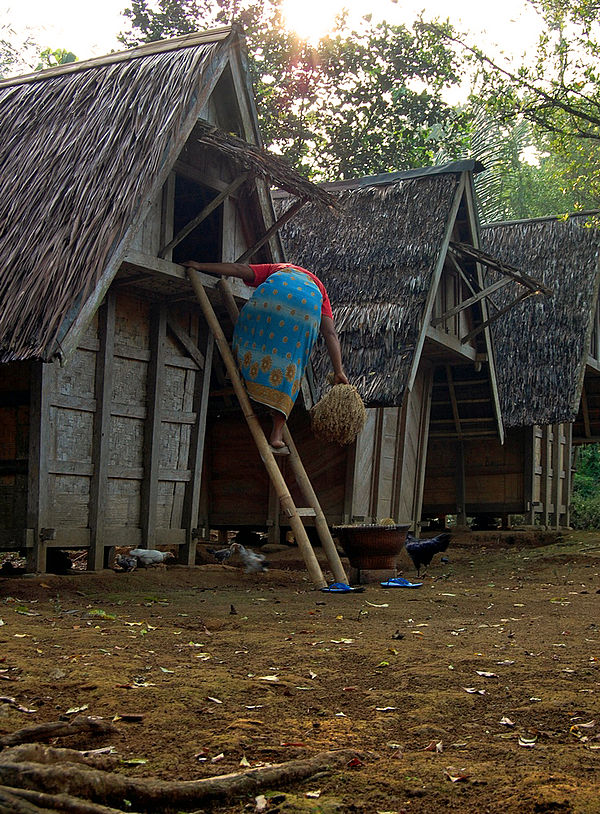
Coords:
309,512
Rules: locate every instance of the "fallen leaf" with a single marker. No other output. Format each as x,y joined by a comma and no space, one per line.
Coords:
527,741
455,775
434,746
268,678
244,761
73,710
504,721
474,690
373,605
485,674
215,700
313,795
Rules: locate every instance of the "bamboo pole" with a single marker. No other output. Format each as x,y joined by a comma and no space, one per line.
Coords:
320,521
285,499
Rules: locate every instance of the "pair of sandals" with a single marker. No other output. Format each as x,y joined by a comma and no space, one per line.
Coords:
343,588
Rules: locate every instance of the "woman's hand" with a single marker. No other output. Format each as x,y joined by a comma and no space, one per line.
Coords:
340,378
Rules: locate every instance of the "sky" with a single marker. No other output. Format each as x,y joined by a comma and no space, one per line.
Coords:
89,28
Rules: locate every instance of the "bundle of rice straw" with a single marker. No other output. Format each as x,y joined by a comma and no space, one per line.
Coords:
339,416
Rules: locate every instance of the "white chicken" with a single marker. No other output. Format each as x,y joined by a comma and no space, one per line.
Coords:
151,556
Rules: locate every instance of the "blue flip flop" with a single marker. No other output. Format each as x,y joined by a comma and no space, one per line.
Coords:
341,588
400,582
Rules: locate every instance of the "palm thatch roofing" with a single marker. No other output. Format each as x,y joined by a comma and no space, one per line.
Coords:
542,343
84,147
377,256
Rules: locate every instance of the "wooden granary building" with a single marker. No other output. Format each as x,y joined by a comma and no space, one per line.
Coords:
114,171
547,361
400,261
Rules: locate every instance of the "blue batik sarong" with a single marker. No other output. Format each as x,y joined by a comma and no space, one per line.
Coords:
274,336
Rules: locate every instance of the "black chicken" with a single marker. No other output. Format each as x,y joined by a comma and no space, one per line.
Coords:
422,552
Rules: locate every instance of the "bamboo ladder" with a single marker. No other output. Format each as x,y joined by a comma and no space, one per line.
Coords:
285,499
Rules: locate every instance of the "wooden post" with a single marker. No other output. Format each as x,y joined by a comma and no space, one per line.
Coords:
287,504
191,505
545,490
529,473
557,450
99,482
39,446
461,511
155,384
568,464
308,491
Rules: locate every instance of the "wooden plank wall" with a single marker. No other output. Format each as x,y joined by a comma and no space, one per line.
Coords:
530,474
14,442
121,418
493,476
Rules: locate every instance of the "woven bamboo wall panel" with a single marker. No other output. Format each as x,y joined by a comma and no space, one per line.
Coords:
126,442
71,438
132,323
363,472
129,384
123,502
387,466
68,500
147,238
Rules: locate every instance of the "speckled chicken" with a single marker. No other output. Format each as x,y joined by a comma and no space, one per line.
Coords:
125,562
422,552
254,562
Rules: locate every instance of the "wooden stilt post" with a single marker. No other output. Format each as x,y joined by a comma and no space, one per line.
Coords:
285,499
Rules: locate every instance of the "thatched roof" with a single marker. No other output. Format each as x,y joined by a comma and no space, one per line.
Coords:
84,147
376,258
542,343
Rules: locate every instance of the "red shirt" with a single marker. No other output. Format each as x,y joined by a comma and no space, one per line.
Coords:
264,270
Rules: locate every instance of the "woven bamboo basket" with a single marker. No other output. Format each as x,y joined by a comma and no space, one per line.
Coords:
372,546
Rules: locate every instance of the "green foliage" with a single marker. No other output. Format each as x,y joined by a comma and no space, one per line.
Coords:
557,92
585,505
364,100
51,58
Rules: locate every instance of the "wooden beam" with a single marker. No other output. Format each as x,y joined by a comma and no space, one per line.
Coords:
471,301
435,280
496,316
288,215
452,392
186,341
154,388
38,509
462,274
586,413
191,502
208,210
100,440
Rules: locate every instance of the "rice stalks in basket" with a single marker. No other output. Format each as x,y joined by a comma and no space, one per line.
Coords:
339,416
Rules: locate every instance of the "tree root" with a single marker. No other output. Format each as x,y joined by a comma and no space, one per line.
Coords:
58,729
58,785
35,802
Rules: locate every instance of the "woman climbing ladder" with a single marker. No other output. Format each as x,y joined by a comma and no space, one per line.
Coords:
276,331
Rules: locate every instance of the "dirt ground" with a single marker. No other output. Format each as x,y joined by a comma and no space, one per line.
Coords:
477,692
